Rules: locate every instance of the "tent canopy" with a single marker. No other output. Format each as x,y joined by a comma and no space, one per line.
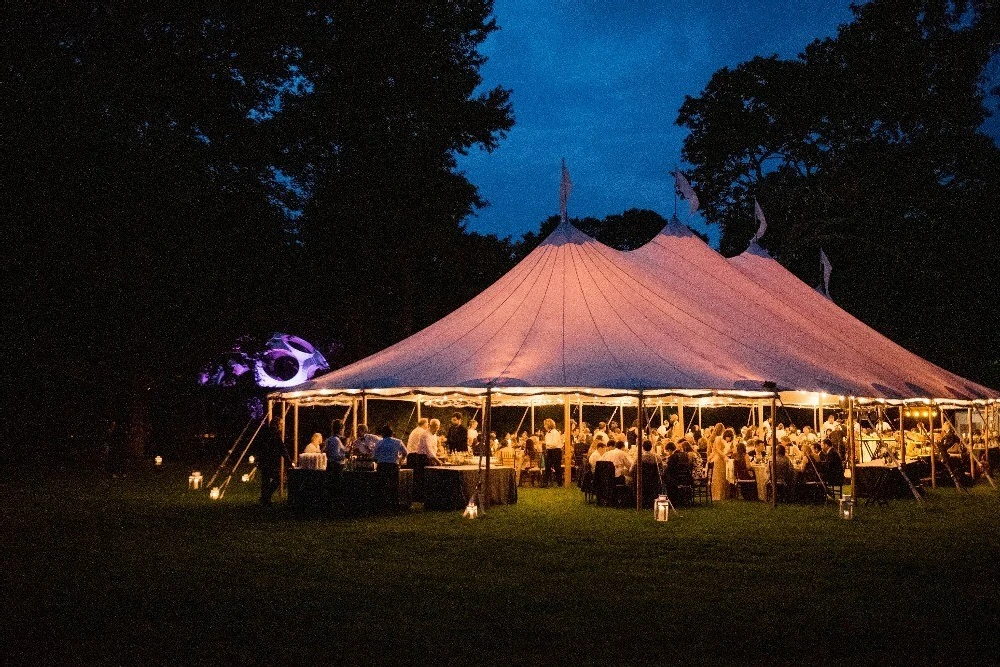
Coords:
673,318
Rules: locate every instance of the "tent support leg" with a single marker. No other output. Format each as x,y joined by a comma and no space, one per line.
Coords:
567,444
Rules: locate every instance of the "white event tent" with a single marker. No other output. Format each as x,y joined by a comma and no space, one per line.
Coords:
673,322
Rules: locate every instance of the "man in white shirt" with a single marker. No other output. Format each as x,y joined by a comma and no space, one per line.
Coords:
553,452
602,429
828,425
676,428
618,456
415,435
473,436
599,451
422,448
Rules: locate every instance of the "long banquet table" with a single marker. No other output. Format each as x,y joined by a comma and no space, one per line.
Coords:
313,490
450,487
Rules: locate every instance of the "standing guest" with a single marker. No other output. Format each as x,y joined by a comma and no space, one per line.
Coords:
269,450
632,437
718,459
553,452
457,438
315,445
364,445
413,440
388,452
828,425
831,464
676,428
472,436
336,452
422,452
602,429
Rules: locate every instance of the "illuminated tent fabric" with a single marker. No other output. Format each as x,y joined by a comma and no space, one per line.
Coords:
918,377
576,313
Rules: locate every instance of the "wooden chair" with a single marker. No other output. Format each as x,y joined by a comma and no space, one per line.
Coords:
605,485
702,488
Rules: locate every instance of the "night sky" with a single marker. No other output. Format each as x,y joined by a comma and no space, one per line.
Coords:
599,82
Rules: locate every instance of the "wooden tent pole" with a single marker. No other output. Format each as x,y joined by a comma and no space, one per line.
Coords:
295,434
638,458
680,414
532,419
364,411
930,441
484,499
699,417
418,407
972,453
774,453
902,437
851,443
281,469
567,444
354,424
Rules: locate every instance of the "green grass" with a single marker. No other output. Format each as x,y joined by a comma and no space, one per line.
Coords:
140,570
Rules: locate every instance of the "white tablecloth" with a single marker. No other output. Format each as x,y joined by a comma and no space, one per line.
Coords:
312,461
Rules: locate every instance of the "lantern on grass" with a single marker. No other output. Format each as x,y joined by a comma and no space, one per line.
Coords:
194,481
471,510
215,494
251,459
158,460
661,508
846,508
246,477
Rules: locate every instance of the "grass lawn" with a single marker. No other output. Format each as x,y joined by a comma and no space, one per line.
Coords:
141,571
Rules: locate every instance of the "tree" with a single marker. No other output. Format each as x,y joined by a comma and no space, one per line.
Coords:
868,146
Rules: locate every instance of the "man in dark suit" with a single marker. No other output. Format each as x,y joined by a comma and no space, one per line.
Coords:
458,436
270,450
831,464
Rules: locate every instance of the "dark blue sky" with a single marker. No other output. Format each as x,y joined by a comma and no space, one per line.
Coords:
599,82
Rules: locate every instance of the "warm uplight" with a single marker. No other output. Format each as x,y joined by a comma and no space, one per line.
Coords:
158,460
245,478
251,459
214,494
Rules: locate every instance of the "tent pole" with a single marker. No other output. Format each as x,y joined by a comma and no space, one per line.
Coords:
850,441
281,470
638,458
972,453
484,499
532,419
418,407
270,409
820,418
295,434
930,441
699,417
902,436
354,416
364,410
567,444
680,412
774,453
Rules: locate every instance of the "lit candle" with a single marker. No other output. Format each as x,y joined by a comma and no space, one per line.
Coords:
214,493
159,460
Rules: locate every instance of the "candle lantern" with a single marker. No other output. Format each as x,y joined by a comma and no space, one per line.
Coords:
251,459
214,494
246,477
158,460
661,508
194,481
471,510
846,508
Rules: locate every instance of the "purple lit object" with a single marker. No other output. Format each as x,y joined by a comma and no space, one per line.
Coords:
288,361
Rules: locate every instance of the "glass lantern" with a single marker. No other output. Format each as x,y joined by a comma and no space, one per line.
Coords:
158,460
194,481
471,510
846,508
661,508
215,494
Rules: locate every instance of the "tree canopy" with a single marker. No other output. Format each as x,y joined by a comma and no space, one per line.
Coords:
868,145
181,175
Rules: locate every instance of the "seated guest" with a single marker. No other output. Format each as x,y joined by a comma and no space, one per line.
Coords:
782,467
676,470
601,448
618,456
743,471
315,445
647,457
506,452
695,463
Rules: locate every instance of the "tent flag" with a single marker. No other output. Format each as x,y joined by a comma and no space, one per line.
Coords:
827,269
762,223
565,189
686,191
